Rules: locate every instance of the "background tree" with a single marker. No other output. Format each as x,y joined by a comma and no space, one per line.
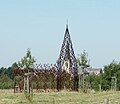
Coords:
5,82
94,81
111,70
83,61
10,70
6,78
27,61
105,79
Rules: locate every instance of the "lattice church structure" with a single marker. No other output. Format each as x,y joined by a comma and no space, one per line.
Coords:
67,61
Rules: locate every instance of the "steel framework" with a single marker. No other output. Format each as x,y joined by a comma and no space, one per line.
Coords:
67,54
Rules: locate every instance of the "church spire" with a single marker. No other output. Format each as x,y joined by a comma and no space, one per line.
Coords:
67,52
67,30
67,24
67,61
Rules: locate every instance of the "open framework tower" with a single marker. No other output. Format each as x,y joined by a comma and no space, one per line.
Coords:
67,60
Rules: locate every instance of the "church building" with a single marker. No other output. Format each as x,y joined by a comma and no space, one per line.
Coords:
67,60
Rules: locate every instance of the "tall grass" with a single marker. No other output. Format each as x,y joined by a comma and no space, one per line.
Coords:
8,97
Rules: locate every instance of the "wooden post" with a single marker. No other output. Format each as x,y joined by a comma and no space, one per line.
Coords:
106,101
27,86
100,87
53,100
114,83
83,82
25,83
79,83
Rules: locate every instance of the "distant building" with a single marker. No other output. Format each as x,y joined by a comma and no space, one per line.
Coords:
90,71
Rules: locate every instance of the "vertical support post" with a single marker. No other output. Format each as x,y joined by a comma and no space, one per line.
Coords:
106,101
83,81
115,84
28,91
79,81
100,87
59,86
27,86
53,100
76,83
25,83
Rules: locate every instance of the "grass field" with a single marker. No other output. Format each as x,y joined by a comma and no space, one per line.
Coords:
8,97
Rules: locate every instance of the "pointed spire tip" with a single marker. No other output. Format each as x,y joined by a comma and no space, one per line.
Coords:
67,24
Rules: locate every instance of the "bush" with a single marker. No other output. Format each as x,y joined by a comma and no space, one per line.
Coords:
5,82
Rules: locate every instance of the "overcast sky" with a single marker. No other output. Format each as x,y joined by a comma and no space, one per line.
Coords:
40,25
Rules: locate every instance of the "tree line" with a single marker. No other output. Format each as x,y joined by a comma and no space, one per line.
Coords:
105,80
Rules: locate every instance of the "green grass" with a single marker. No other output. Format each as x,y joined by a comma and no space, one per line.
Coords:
8,97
